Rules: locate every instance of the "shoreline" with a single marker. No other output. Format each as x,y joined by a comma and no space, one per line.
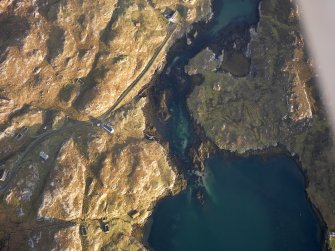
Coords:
197,153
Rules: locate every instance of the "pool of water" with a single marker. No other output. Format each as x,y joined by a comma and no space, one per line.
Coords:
251,204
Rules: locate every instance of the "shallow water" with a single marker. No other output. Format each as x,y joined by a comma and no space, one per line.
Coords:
252,204
233,9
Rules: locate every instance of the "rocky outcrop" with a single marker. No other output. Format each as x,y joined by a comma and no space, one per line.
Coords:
18,123
276,103
131,179
66,239
64,194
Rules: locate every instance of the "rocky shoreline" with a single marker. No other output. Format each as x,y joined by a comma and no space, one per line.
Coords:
198,153
302,123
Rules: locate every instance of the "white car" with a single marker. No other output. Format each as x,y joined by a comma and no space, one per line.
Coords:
108,128
4,174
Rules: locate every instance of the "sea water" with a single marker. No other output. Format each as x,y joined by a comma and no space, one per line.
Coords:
251,204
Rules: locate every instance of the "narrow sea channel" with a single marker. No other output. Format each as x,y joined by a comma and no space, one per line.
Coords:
251,203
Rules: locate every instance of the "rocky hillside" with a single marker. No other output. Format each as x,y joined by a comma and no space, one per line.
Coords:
79,56
62,63
92,176
275,103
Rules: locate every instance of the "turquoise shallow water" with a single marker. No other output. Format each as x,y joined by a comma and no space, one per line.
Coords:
233,9
251,204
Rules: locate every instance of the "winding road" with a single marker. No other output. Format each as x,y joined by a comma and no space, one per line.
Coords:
139,77
171,29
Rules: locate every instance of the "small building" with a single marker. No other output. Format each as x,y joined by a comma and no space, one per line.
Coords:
24,130
134,214
107,128
137,23
332,234
82,230
176,18
149,137
18,136
168,13
3,174
44,156
21,133
105,227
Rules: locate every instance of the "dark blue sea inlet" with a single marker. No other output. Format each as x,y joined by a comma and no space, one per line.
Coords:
253,204
250,203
